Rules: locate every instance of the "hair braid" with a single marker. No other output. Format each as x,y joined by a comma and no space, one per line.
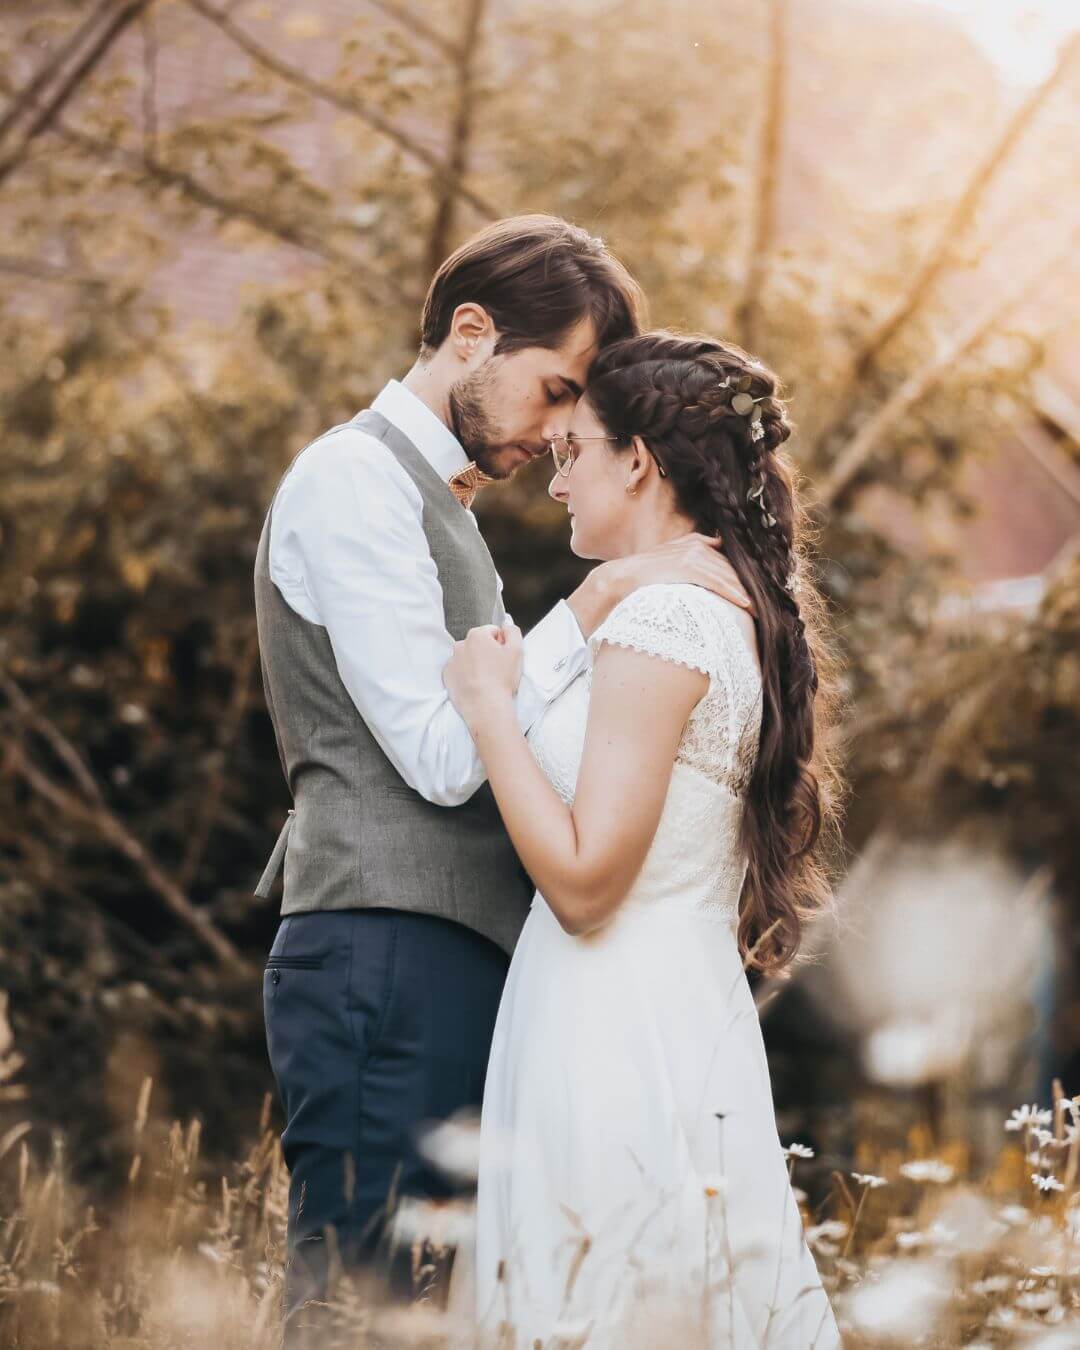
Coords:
714,419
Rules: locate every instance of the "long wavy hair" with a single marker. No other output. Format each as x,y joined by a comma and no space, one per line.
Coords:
676,393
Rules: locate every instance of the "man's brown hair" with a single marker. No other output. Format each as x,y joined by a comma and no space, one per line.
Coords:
537,276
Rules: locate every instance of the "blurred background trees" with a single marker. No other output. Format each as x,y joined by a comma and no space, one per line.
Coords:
219,221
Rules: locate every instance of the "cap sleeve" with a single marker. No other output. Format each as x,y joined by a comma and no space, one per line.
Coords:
660,620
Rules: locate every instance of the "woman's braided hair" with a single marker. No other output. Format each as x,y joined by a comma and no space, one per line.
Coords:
714,419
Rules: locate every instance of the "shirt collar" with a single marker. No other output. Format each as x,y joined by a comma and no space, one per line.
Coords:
429,433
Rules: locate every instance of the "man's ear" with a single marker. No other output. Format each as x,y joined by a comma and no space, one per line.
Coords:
471,331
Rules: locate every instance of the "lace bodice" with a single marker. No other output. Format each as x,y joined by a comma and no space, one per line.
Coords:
694,861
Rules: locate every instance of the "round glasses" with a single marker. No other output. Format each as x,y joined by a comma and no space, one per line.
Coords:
564,452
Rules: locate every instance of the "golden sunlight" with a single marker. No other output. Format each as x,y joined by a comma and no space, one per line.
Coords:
1022,37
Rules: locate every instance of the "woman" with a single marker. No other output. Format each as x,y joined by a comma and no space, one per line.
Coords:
671,807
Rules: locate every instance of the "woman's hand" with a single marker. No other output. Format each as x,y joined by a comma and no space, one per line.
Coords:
485,666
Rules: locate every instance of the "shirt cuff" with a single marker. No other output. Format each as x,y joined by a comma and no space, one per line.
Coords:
555,654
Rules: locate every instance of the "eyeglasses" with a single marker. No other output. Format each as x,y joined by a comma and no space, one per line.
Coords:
564,454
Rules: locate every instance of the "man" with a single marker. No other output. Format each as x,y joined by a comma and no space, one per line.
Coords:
403,897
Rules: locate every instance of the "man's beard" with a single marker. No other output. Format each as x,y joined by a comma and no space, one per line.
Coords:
471,420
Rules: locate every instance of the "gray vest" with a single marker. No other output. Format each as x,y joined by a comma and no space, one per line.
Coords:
358,835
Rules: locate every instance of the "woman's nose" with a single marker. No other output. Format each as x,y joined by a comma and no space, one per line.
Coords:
557,489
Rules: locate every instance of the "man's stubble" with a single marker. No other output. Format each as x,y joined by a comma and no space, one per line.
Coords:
472,419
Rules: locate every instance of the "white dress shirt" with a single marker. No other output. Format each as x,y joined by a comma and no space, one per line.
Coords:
348,552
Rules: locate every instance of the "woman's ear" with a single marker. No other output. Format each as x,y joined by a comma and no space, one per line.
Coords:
639,462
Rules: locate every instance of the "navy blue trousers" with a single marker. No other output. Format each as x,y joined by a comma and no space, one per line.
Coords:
377,1021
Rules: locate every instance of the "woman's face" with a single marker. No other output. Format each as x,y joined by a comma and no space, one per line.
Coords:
595,492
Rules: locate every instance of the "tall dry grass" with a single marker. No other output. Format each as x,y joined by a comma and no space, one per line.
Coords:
920,1254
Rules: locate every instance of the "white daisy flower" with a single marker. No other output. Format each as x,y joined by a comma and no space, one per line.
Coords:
1038,1301
903,1305
928,1169
993,1284
1014,1215
869,1180
1028,1115
798,1151
1042,1183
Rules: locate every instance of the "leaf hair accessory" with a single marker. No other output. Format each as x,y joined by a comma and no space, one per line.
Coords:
755,495
744,403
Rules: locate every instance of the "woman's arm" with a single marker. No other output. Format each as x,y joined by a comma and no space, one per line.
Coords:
583,859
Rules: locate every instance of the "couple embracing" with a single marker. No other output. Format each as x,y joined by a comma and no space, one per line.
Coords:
527,873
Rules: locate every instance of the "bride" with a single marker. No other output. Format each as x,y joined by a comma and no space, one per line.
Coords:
670,807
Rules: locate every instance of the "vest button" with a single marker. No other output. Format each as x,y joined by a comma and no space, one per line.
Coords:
275,977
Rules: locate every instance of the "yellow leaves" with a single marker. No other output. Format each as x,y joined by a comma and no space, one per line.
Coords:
1065,681
137,570
155,660
65,603
239,233
303,26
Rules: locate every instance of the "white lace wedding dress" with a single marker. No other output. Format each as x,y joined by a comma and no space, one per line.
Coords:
632,1184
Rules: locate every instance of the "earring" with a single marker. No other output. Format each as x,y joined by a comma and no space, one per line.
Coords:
632,490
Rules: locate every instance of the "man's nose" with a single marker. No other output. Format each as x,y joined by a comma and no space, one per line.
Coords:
557,422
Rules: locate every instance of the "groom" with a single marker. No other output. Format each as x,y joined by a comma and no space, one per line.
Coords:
403,897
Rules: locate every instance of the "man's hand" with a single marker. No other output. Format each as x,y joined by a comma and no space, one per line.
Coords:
483,667
694,558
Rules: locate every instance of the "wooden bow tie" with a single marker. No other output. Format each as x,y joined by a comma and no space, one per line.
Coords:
464,484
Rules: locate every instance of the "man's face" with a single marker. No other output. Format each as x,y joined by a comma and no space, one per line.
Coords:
507,409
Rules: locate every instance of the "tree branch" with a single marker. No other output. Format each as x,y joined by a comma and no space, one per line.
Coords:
379,290
959,221
227,732
149,84
416,24
763,230
344,102
83,68
443,220
41,864
94,814
26,97
45,271
38,270
837,486
49,732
